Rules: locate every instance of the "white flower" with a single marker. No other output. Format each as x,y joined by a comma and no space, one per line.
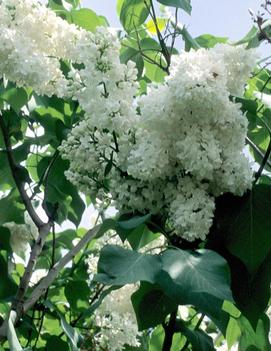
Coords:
144,153
183,148
117,321
33,40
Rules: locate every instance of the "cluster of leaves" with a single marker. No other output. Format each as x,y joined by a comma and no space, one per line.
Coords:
227,278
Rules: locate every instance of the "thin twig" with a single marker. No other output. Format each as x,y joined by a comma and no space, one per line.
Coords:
257,150
15,170
264,162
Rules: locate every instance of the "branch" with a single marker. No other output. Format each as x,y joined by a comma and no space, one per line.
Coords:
53,273
43,228
164,48
15,170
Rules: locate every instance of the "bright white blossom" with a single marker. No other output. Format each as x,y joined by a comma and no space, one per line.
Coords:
182,149
170,152
33,40
117,321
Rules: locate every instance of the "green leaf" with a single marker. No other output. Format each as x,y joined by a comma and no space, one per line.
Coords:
118,266
246,226
7,285
172,271
15,97
157,338
65,238
134,222
77,293
55,343
152,71
249,107
134,55
85,18
140,237
71,333
209,41
11,210
13,123
5,239
161,24
251,38
182,4
151,305
207,289
6,177
199,340
254,340
133,13
60,193
209,271
233,332
251,292
241,235
190,42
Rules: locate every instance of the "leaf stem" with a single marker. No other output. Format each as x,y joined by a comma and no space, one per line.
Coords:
169,331
264,162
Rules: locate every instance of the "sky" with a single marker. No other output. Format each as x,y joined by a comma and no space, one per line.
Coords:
228,18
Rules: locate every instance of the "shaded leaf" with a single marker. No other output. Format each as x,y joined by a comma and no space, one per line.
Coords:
55,343
199,340
133,13
201,279
151,305
77,293
15,97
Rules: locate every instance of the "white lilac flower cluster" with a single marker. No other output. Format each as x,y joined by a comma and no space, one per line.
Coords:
183,148
33,40
117,321
105,89
170,152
